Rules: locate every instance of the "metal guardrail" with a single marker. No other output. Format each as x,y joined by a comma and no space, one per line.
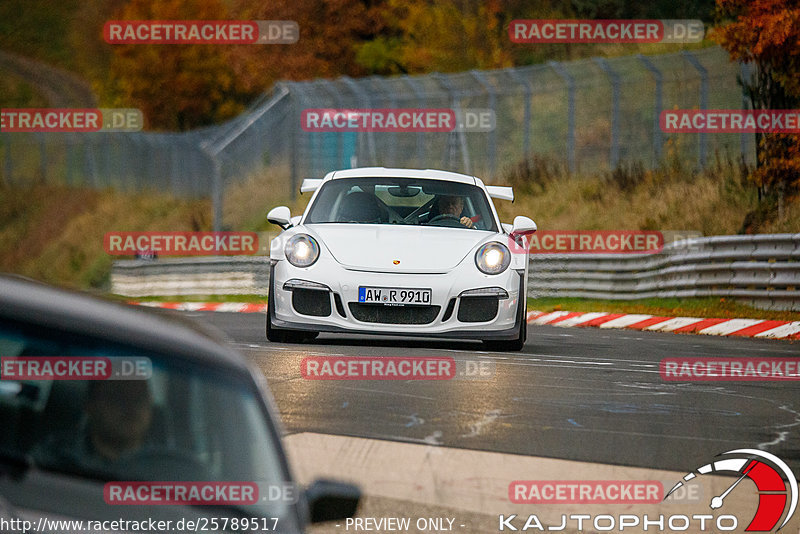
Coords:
761,270
212,275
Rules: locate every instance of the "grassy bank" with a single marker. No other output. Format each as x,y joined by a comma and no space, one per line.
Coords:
55,233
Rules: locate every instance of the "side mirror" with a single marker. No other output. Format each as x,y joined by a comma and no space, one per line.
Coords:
329,500
280,216
523,225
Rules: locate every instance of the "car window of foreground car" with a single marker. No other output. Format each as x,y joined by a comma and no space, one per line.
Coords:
186,422
400,201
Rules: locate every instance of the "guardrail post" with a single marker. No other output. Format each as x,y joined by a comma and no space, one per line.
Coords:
570,81
658,106
702,148
526,130
481,77
615,90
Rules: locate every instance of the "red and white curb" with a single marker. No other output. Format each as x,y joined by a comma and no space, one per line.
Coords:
688,325
237,307
713,327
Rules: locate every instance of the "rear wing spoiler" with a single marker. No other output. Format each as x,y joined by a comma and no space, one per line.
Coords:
310,185
501,191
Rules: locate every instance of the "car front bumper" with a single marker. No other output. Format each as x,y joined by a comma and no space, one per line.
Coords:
332,291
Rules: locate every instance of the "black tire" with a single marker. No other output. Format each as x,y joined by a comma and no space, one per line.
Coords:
511,345
280,335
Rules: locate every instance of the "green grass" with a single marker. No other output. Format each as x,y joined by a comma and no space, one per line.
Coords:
709,307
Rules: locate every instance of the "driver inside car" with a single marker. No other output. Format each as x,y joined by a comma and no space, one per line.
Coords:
117,418
454,205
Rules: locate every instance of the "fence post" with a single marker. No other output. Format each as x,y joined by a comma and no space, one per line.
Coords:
481,77
615,90
570,81
458,133
658,106
746,71
702,148
527,116
391,149
331,89
362,95
42,158
8,165
419,138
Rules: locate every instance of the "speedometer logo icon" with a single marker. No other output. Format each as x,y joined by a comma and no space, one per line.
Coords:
775,483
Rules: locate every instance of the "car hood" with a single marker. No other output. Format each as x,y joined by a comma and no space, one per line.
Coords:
376,247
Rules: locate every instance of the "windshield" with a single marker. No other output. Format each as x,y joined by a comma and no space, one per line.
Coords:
403,201
178,422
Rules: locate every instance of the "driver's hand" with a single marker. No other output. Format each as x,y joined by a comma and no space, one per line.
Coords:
466,221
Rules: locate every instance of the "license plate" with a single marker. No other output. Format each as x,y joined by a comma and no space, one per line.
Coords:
394,296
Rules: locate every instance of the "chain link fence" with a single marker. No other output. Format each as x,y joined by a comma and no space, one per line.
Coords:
591,115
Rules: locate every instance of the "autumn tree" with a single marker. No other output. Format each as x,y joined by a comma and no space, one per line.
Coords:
766,33
445,36
178,86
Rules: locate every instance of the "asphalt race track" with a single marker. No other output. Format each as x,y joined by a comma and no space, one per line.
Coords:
579,394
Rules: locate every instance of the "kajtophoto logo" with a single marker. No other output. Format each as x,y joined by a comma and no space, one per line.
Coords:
775,482
776,495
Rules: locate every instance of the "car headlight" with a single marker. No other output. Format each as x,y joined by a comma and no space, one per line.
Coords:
493,258
301,250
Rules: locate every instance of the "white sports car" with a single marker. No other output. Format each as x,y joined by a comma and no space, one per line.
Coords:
399,251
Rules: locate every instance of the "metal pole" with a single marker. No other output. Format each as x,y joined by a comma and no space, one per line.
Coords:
420,135
481,77
570,81
459,133
367,104
527,117
703,146
746,72
331,89
615,93
658,143
391,149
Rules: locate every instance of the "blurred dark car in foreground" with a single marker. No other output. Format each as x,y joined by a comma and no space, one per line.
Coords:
175,407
